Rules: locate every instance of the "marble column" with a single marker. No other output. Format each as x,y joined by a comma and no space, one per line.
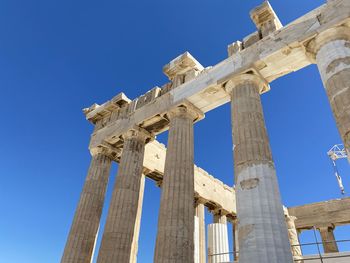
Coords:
235,240
262,230
118,240
135,241
175,237
328,239
196,239
83,233
332,53
200,214
218,249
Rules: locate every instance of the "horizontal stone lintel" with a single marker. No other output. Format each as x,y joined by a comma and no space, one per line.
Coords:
328,213
276,55
209,190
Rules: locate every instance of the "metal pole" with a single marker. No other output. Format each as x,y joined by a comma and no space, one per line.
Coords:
339,180
318,247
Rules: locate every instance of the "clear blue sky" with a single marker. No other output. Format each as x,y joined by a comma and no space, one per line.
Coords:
59,56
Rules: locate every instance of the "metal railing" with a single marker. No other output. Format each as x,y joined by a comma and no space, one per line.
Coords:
302,259
223,254
320,256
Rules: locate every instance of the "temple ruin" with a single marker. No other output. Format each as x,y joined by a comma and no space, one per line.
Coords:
264,230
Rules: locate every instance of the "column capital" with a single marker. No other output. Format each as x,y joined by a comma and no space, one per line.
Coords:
107,150
200,201
138,133
219,216
246,77
98,150
219,211
185,110
335,33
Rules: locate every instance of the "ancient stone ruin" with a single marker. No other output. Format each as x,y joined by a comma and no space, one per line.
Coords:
125,130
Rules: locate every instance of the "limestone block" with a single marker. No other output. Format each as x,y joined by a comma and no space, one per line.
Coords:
181,65
251,39
97,112
332,212
207,188
148,97
328,239
265,19
234,48
166,88
277,55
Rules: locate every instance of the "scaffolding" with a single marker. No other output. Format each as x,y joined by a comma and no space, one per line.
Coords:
337,152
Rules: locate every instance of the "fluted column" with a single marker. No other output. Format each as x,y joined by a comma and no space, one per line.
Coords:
118,238
135,242
200,214
328,239
332,52
262,230
235,240
196,239
83,233
175,235
218,250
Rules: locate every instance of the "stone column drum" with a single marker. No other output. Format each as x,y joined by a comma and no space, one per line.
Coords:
200,214
218,250
332,52
262,230
175,237
196,239
235,240
82,236
122,219
135,243
328,239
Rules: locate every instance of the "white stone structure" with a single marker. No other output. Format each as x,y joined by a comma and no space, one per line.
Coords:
218,249
125,130
196,240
